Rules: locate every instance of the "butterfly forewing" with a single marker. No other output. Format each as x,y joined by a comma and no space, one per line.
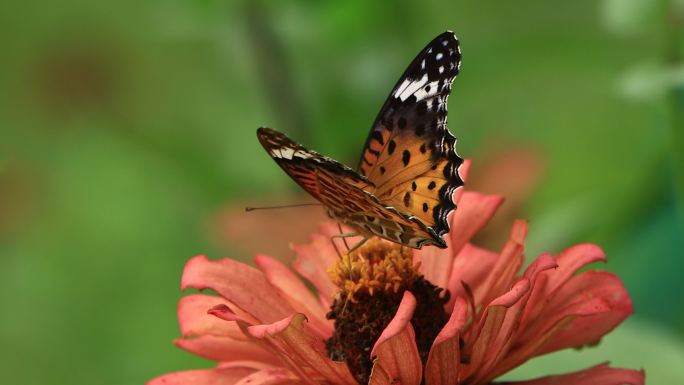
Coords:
308,168
410,154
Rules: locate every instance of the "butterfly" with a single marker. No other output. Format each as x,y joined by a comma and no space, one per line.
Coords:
403,187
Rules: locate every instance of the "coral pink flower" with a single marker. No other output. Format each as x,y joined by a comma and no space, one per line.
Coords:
391,315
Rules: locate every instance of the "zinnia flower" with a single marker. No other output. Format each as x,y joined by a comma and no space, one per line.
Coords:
386,314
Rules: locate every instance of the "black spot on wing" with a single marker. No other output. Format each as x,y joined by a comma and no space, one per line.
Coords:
418,98
391,146
401,123
406,157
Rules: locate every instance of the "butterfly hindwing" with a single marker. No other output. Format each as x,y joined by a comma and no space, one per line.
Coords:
342,191
410,154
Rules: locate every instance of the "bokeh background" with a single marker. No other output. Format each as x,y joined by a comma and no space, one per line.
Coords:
128,145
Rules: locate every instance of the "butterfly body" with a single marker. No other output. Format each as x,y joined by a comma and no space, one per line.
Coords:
403,187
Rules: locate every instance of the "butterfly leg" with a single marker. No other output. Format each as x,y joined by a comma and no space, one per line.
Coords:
344,237
358,244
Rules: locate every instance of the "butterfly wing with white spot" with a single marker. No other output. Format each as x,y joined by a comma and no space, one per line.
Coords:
305,166
410,154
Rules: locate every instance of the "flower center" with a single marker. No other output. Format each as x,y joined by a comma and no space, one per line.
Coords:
372,280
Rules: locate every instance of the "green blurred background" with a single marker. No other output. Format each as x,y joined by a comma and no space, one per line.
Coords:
128,145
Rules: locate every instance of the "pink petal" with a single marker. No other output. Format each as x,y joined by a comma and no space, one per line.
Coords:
443,363
503,272
379,376
271,376
299,348
507,331
242,285
570,260
395,351
226,349
473,213
493,333
299,296
464,169
471,266
202,377
549,327
246,364
587,330
194,320
598,375
314,260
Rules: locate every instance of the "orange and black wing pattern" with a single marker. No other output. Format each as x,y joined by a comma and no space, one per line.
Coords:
410,156
315,173
343,192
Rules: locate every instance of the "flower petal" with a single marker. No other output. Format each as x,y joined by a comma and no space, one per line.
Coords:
271,376
380,377
598,375
313,261
473,213
194,320
493,332
299,348
300,297
550,326
226,349
395,351
202,377
507,334
503,272
242,285
464,169
570,260
588,330
443,363
471,266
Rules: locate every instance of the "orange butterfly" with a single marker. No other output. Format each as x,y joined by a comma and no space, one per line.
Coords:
403,187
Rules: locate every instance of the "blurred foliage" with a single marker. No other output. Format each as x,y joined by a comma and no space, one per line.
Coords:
128,128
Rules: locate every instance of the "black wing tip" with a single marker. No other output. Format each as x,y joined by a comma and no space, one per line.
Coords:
270,138
265,131
448,34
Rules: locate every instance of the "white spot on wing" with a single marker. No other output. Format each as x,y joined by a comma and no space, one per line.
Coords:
284,153
422,94
289,153
401,88
411,87
439,56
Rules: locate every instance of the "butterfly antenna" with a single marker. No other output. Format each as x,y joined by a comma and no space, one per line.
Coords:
248,209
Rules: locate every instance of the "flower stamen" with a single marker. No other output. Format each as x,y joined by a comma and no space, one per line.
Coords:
372,280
